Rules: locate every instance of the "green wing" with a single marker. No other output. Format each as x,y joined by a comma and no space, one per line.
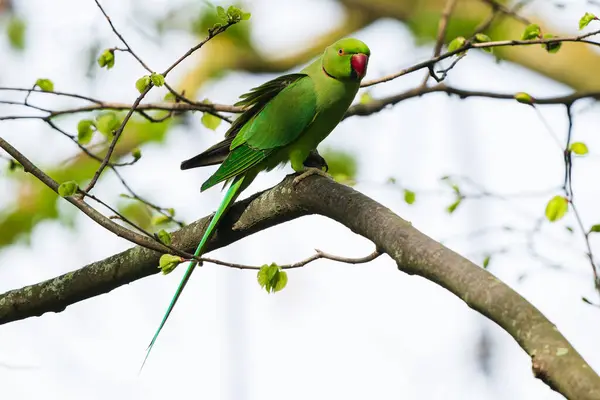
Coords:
254,101
278,123
258,98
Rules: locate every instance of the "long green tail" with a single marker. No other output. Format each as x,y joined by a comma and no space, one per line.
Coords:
238,184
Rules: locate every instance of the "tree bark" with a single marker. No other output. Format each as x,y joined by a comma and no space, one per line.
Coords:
554,360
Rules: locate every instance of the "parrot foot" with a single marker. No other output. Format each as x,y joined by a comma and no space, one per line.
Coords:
308,172
315,160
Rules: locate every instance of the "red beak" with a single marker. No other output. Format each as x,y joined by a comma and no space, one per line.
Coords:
359,64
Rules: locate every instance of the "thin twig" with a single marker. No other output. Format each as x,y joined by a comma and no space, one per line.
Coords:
317,256
211,33
468,45
117,135
122,39
55,93
441,36
568,189
105,222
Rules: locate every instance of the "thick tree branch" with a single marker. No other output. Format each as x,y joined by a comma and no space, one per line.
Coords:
554,360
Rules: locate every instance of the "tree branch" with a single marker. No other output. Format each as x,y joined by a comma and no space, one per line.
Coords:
554,360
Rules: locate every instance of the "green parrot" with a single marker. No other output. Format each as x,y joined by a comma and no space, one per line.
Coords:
284,120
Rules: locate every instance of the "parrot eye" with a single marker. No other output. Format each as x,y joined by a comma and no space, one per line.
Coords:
340,52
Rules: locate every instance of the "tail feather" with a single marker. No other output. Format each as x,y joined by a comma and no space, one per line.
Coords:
211,156
237,186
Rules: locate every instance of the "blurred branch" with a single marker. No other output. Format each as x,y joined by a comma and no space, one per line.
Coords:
422,18
120,231
487,45
513,13
554,360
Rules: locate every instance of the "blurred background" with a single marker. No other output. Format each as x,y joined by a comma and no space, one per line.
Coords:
336,330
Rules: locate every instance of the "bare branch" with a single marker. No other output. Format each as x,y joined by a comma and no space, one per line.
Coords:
441,36
499,7
554,360
317,256
122,39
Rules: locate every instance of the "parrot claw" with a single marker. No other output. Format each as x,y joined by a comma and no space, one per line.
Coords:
308,172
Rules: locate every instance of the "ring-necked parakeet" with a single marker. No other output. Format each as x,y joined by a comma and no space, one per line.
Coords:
284,120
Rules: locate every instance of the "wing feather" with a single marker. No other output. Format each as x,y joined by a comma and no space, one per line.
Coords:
277,124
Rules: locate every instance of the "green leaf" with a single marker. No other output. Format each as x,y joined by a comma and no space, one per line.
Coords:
556,208
569,229
524,98
171,211
265,274
595,228
365,98
136,153
551,47
586,19
107,59
15,31
221,14
579,148
486,261
272,278
160,219
85,131
45,84
168,262
67,189
456,43
165,237
157,79
281,281
483,38
231,16
210,121
234,14
452,207
409,196
532,31
170,97
107,122
142,83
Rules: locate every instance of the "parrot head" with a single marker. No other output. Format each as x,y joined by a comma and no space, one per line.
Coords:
346,59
